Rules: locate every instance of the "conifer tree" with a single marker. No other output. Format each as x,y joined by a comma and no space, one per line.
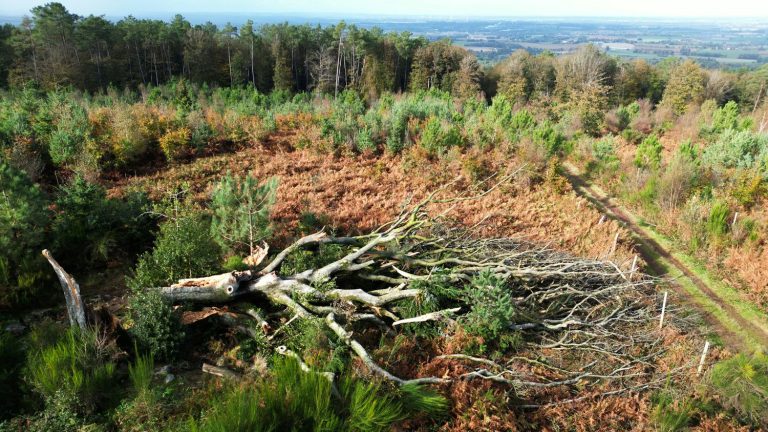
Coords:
241,212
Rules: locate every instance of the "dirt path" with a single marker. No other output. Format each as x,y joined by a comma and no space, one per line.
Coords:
739,329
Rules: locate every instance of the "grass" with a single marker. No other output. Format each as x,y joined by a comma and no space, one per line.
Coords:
140,373
293,400
724,292
76,365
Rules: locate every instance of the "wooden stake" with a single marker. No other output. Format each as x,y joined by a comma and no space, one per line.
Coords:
735,217
613,247
633,269
703,358
663,309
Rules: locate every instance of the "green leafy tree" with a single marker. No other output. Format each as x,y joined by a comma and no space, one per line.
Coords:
241,212
467,84
686,86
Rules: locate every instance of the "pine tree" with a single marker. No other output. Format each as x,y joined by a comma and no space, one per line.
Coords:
241,212
23,221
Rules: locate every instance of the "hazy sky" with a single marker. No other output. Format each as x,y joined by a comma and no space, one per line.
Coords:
454,8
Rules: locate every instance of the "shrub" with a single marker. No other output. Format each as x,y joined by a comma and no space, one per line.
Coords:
648,153
141,372
72,129
549,138
676,182
128,134
78,366
58,415
142,413
183,249
241,212
604,159
23,221
717,223
156,328
364,141
302,260
736,149
493,308
439,136
749,187
89,227
727,117
176,144
11,362
742,383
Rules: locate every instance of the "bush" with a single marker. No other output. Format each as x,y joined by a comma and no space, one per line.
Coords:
183,249
302,260
648,153
749,187
439,136
78,367
669,413
23,220
156,328
549,138
128,134
58,415
90,228
11,362
717,223
742,383
72,130
676,182
493,308
142,413
736,149
141,372
726,118
604,159
176,144
241,212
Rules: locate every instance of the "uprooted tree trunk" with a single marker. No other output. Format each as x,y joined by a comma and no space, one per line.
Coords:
587,310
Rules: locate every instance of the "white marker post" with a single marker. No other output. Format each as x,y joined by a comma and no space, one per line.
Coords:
633,268
703,358
663,309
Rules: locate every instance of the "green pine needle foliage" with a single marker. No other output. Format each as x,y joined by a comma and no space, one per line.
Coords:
241,212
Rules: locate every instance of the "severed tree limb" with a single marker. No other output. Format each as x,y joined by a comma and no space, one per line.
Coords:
432,316
75,306
361,352
265,327
220,372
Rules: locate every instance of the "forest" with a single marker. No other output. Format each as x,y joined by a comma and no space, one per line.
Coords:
297,227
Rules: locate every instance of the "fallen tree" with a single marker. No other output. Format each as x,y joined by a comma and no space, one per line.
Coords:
582,321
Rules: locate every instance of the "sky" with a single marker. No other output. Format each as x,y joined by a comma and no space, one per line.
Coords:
420,8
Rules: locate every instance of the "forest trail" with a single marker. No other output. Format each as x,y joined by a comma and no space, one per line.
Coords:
740,324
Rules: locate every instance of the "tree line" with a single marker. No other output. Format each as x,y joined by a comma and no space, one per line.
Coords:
53,47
